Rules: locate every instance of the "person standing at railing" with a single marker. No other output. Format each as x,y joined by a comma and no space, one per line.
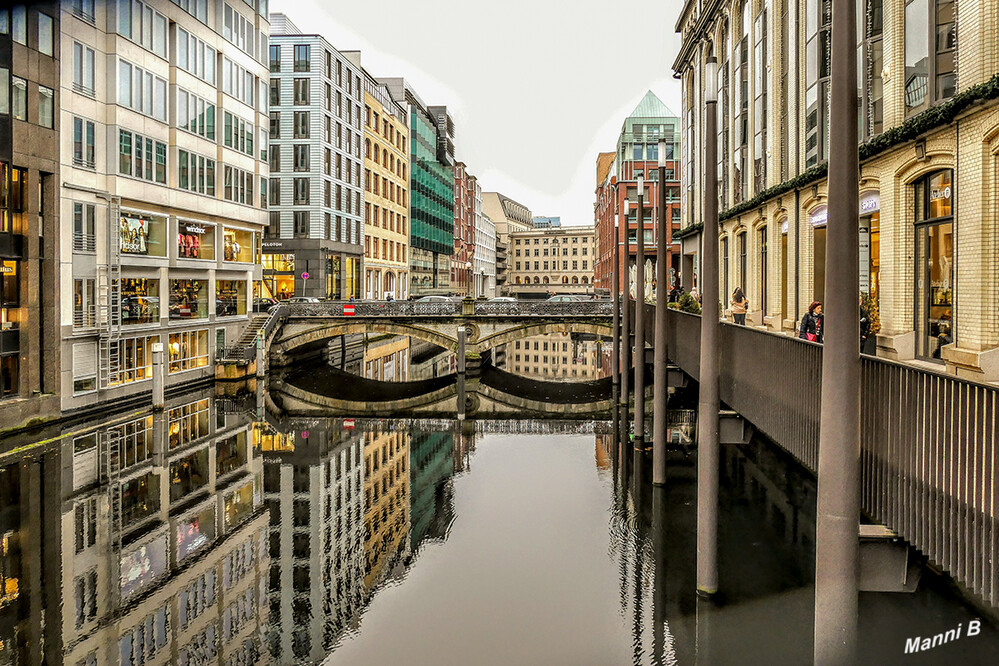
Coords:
740,305
810,327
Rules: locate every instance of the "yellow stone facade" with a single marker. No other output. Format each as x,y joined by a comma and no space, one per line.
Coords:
386,196
386,490
936,285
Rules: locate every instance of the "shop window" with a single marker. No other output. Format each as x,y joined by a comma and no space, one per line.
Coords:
188,474
934,283
140,301
188,299
230,298
142,234
135,360
188,350
135,441
195,240
10,283
188,422
237,245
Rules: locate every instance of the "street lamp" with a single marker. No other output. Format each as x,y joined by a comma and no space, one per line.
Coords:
708,453
659,363
640,319
468,279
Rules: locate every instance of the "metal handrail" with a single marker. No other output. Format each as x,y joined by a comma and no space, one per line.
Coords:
448,309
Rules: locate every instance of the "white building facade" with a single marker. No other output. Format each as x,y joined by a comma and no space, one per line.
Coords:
164,130
484,259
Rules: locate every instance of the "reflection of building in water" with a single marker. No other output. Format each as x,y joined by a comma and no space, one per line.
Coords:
312,487
556,356
346,353
386,358
161,534
386,501
431,458
428,360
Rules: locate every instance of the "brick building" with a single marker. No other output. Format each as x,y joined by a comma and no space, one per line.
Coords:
464,229
929,136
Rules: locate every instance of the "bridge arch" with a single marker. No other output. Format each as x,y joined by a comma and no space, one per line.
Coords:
327,331
531,329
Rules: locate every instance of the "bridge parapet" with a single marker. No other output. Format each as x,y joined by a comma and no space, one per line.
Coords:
448,309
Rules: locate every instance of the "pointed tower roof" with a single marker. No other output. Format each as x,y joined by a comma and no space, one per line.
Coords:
651,107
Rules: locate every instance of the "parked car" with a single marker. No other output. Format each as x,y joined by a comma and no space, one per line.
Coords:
503,299
566,298
435,299
302,299
264,304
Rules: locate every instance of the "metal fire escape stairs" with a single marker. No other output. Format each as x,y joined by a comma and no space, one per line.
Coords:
109,302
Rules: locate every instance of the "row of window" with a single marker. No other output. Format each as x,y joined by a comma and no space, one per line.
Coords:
389,250
386,129
565,251
14,100
554,265
14,21
385,218
554,240
383,187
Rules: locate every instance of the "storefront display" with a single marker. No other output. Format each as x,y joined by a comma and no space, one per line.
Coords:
142,565
934,264
194,532
188,299
140,301
188,350
230,298
195,240
142,234
237,245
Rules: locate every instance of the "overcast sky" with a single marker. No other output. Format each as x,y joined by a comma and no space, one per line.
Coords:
536,87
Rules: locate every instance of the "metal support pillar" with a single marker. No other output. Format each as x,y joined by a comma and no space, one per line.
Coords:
640,319
708,454
262,356
660,383
837,547
616,305
159,376
625,317
461,350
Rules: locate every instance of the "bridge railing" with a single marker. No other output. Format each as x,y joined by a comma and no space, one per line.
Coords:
929,441
446,308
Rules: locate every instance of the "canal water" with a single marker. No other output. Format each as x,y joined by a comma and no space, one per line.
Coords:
222,530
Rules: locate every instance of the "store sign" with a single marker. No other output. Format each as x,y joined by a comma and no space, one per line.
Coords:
937,194
272,244
870,203
4,268
820,217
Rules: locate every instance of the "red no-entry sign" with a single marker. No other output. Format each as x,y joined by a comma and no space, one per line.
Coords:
348,309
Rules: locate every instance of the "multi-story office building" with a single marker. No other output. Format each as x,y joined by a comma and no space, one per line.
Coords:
386,502
315,236
552,260
484,259
464,229
29,215
431,191
638,155
162,534
929,122
557,356
604,215
313,486
386,193
163,125
387,359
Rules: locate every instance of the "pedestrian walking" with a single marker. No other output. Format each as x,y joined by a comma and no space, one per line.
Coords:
740,305
865,325
810,327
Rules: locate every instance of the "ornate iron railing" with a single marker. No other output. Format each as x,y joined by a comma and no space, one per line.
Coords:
447,309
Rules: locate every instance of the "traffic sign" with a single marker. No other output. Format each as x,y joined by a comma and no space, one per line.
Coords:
305,276
348,424
348,309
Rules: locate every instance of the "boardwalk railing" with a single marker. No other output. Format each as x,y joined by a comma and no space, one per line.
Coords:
928,440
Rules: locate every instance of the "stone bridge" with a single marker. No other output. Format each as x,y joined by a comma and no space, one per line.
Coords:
309,326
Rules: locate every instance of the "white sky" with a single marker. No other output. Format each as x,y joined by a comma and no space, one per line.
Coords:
536,87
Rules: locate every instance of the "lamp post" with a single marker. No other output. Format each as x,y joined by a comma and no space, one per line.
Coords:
640,318
468,280
625,316
837,547
659,363
616,305
708,453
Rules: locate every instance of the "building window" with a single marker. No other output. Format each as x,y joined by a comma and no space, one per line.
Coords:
197,8
143,25
85,595
871,54
19,24
195,114
930,49
195,240
237,133
141,157
760,102
301,190
230,298
187,423
196,173
301,220
84,227
195,56
188,299
275,132
46,36
301,130
301,88
818,50
140,301
84,367
275,58
20,98
238,186
141,643
301,157
83,143
85,517
274,194
934,283
46,106
135,360
84,303
239,31
238,245
188,350
237,82
302,58
83,69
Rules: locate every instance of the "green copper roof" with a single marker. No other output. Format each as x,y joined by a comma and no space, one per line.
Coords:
651,107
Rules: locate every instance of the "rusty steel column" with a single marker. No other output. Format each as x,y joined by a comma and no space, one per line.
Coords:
616,305
837,546
708,453
625,316
640,319
660,385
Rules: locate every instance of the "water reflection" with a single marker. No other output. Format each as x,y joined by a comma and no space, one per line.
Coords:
207,533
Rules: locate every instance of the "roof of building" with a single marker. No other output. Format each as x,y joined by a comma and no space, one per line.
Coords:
652,107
